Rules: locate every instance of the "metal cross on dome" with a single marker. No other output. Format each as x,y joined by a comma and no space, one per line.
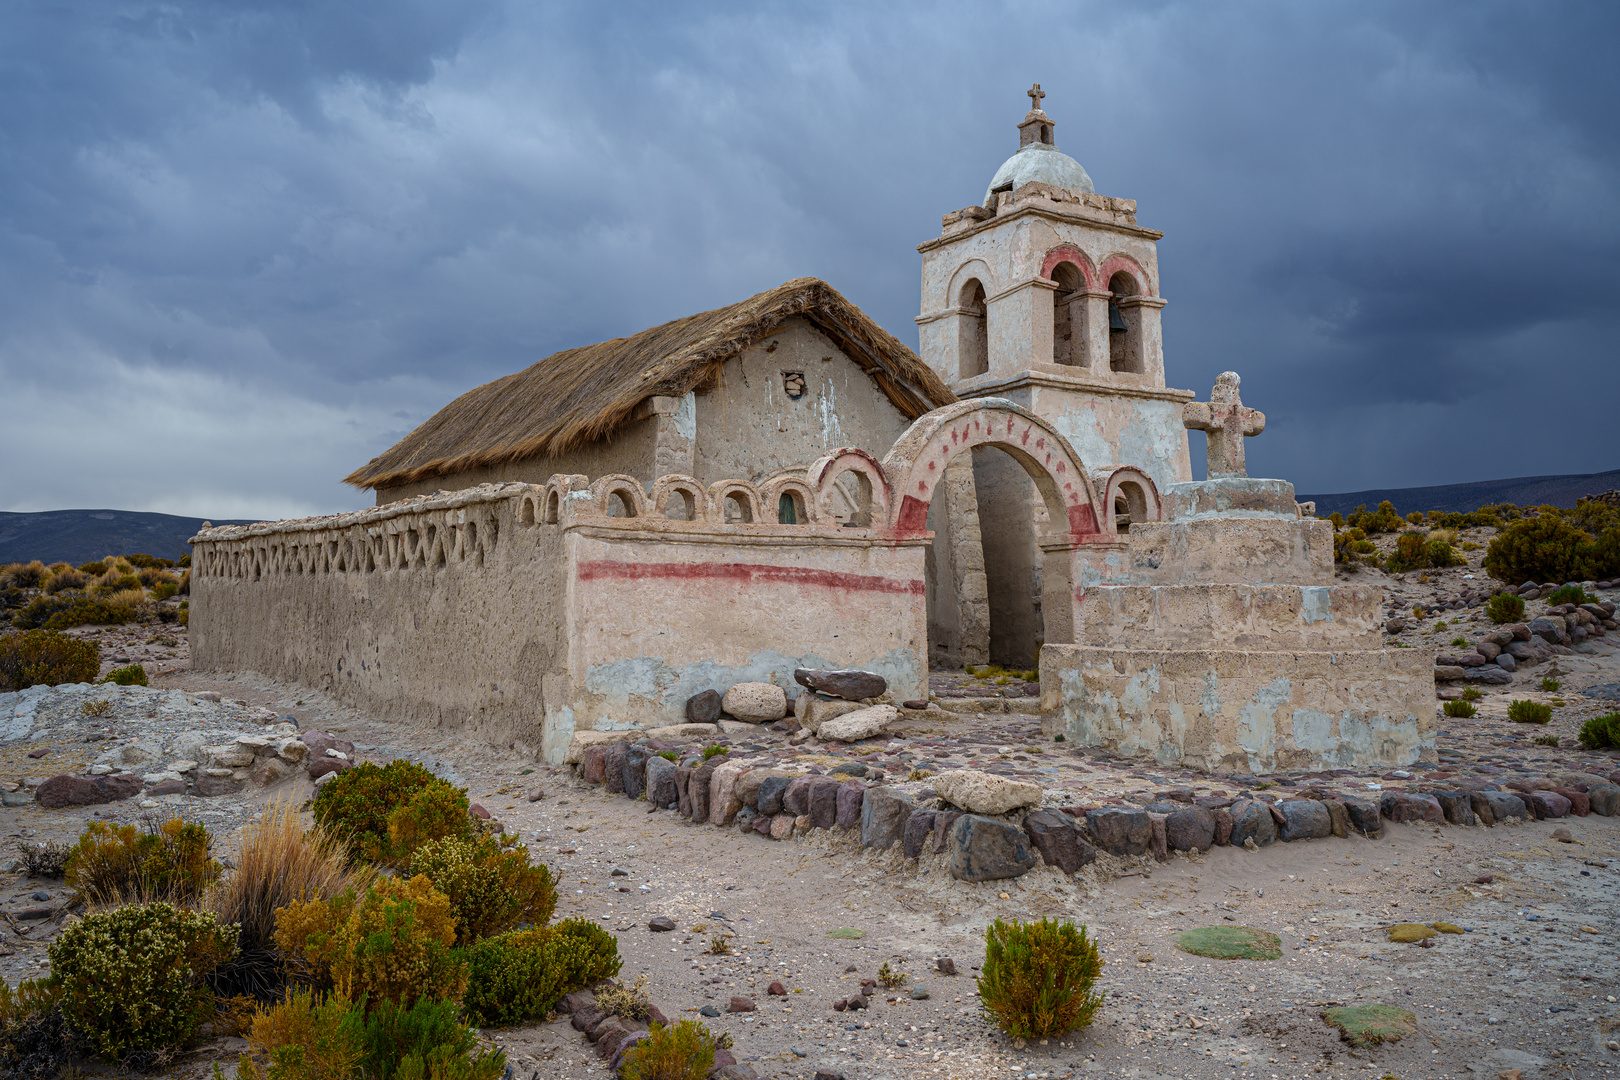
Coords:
1227,422
1035,95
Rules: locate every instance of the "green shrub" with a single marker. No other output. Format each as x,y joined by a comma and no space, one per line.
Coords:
1419,551
64,580
1549,684
1529,712
391,943
184,561
1384,519
518,976
1460,642
1351,547
1505,608
682,1052
46,658
134,979
426,1040
1569,594
165,589
1601,732
1459,709
1037,978
112,582
1546,740
713,750
133,675
118,864
94,569
1472,693
35,1040
490,889
361,804
143,561
1543,548
67,610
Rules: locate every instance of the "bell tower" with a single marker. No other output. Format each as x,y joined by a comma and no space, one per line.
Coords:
1047,294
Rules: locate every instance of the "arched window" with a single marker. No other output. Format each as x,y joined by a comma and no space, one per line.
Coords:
553,504
738,510
620,506
1124,346
1130,505
1068,317
974,346
790,509
854,491
680,506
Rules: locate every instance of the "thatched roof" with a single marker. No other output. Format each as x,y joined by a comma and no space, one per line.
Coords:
581,395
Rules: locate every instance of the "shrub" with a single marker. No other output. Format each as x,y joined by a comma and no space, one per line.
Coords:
1460,642
438,811
1601,732
133,675
184,560
1384,519
519,975
148,562
390,943
48,658
133,979
1569,594
713,750
67,610
1545,548
35,1040
118,864
490,889
1418,551
63,580
629,1002
1459,709
165,589
278,862
1505,608
23,575
361,804
1351,547
44,858
305,1036
152,576
1472,693
1037,977
1549,684
682,1052
114,581
1529,712
94,569
1546,740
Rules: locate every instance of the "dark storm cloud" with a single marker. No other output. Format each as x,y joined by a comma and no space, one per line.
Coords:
243,247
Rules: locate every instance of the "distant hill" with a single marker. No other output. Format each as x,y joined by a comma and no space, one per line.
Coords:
81,536
1461,498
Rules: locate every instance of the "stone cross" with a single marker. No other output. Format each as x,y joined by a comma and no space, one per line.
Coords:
1035,94
1228,422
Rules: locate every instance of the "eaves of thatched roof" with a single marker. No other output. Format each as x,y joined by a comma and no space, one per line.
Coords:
581,395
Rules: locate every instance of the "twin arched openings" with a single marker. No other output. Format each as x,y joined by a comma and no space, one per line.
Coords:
1077,316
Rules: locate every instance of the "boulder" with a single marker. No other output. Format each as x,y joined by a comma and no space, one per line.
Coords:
1365,816
723,800
272,771
796,797
812,710
635,771
862,724
1304,819
1490,675
613,767
1579,803
1481,808
917,833
781,827
1548,804
593,763
1058,840
1120,832
683,790
756,702
1223,826
1448,672
850,795
1252,820
985,849
983,793
1504,805
167,787
660,778
824,802
61,791
849,684
697,790
1158,843
768,800
1549,630
1490,650
1456,806
1191,828
209,785
1604,798
943,820
703,708
884,813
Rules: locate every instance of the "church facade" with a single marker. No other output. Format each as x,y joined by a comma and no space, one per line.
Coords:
588,543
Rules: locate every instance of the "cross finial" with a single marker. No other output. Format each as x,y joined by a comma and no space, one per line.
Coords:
1227,422
1035,95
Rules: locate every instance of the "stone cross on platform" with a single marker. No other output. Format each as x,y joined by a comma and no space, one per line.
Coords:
1228,422
1035,94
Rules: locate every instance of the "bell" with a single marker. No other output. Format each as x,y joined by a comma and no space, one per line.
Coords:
1116,321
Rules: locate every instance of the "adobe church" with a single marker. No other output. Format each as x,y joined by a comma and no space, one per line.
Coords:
589,542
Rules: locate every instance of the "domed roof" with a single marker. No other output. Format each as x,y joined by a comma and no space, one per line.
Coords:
1041,162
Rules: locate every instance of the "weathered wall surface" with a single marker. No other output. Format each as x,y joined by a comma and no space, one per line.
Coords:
1243,710
523,613
1281,617
631,451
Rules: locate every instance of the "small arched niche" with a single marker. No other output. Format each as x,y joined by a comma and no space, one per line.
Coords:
1124,344
553,506
619,504
851,493
679,505
973,347
1068,316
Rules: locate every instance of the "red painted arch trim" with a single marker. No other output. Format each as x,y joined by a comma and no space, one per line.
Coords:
1068,253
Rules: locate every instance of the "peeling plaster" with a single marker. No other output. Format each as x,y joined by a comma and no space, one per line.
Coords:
685,416
1316,603
1257,724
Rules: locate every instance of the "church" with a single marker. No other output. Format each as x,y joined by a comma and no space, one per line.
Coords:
589,542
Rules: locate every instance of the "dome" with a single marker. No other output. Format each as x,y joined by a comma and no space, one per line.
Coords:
1043,163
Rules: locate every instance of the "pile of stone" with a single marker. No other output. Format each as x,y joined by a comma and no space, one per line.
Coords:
614,1035
1498,654
843,705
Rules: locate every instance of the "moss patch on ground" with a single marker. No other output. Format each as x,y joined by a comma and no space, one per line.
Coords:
847,932
1369,1025
1231,943
1411,931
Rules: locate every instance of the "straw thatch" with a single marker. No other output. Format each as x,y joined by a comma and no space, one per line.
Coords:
581,395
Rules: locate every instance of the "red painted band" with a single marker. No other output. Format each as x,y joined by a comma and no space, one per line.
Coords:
748,574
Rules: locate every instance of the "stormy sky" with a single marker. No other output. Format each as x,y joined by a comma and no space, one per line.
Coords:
246,246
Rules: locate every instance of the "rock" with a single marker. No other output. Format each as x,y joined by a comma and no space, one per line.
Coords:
1338,818
1563,835
1490,675
1448,672
850,795
1120,832
781,826
755,702
1252,820
274,770
1191,828
1304,819
983,793
771,790
984,849
593,764
943,820
1548,804
703,708
1396,625
849,684
741,1004
661,924
812,710
613,767
1549,630
608,1034
1503,805
723,801
1506,662
1158,843
61,791
626,1044
919,992
1223,826
1057,838
587,1017
1404,806
884,813
324,766
796,796
633,771
1580,804
1604,798
776,989
1456,806
823,811
661,789
1365,816
167,787
1481,808
861,724
1490,650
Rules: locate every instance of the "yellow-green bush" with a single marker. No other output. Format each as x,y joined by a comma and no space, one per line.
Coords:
392,942
63,580
133,675
118,864
1419,551
386,810
1461,710
1556,546
490,889
134,979
94,569
66,610
1504,608
684,1051
28,575
1037,977
1529,712
48,658
519,976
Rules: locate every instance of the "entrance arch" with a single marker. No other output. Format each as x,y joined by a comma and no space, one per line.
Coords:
1031,505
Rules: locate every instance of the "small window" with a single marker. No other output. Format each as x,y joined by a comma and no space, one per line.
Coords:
738,511
678,506
790,509
619,506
